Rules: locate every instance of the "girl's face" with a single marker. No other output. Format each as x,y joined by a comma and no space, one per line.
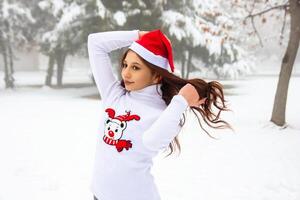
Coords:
135,73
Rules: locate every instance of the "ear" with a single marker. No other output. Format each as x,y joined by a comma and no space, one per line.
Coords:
157,78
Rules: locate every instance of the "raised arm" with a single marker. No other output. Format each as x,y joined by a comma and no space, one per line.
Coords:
167,126
99,45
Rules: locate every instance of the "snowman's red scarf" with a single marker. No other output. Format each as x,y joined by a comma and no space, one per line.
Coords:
120,144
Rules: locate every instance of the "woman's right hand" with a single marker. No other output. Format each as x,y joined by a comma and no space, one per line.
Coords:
141,33
190,93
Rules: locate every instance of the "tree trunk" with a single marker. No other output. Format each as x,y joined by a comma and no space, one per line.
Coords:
279,107
11,63
182,66
8,79
7,53
6,72
60,59
50,69
189,62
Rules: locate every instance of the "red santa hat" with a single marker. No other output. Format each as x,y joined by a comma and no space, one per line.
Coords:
155,48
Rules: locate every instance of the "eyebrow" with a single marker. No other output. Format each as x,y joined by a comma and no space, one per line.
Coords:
133,62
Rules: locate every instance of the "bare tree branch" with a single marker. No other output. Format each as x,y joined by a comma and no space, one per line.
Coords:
283,6
252,15
283,26
256,32
253,24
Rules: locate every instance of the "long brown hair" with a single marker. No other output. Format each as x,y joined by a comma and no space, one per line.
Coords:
213,91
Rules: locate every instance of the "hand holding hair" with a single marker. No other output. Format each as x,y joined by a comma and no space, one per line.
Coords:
141,33
191,95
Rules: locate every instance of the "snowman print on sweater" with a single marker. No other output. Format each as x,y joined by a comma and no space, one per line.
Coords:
114,129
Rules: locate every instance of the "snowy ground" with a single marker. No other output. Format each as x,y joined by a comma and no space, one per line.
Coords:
47,143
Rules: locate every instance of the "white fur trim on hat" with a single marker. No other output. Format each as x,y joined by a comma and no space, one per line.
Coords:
149,56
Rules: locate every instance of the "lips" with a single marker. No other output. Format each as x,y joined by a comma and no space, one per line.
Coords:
128,82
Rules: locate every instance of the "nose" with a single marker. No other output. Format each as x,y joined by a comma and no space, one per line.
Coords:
111,133
126,73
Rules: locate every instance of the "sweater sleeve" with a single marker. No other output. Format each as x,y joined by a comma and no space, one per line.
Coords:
99,45
167,126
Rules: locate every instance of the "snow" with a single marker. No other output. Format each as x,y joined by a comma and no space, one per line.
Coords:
44,5
142,4
120,18
101,9
69,15
215,46
58,5
47,145
171,17
66,14
17,9
135,11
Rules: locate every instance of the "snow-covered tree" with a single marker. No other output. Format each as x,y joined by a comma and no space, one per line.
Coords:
205,31
15,21
64,26
59,33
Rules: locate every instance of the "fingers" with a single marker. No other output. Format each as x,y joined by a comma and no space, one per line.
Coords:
141,33
200,102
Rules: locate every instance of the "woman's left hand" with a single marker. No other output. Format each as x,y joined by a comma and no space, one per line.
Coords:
190,93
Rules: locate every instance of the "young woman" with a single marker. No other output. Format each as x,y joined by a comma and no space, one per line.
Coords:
143,112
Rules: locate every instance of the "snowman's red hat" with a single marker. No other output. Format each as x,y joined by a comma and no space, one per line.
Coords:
155,48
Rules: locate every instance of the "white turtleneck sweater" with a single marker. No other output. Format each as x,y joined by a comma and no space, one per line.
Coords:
134,127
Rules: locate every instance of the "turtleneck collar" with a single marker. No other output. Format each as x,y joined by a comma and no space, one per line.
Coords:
151,94
151,90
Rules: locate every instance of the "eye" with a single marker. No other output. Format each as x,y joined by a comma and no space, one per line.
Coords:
116,130
108,128
135,67
124,65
